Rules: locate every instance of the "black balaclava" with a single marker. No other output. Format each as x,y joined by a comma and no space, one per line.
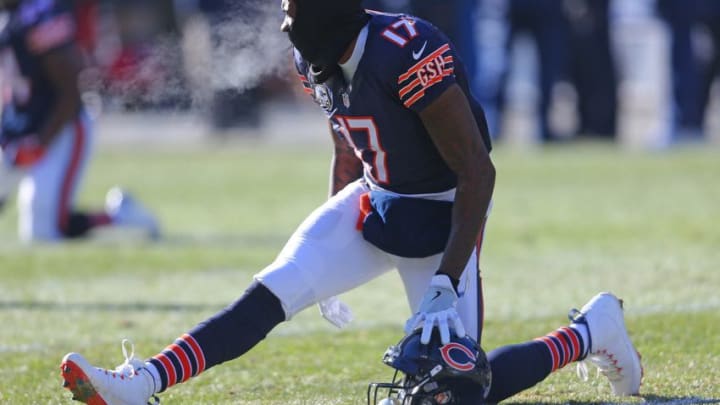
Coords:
323,29
9,4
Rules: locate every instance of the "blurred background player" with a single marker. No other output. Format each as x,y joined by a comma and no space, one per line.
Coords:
570,38
695,53
46,135
411,184
592,67
500,23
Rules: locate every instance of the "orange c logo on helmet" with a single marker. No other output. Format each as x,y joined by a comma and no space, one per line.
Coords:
458,356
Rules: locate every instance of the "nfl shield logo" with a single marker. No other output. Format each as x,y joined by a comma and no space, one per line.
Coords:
323,97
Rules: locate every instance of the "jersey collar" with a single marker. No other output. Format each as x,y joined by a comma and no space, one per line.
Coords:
349,67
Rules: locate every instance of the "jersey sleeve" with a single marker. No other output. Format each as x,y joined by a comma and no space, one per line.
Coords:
54,29
426,63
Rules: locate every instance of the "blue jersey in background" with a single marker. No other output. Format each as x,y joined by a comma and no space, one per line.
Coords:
35,28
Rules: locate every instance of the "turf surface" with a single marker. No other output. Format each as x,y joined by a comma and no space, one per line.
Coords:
567,222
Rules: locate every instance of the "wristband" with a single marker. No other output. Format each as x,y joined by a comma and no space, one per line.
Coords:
455,282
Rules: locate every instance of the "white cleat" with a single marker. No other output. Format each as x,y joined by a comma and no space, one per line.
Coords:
129,384
611,350
127,211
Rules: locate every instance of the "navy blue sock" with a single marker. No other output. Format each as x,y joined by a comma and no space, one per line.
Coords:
516,368
225,336
75,225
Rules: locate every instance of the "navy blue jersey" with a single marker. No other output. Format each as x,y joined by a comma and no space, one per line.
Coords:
35,28
406,64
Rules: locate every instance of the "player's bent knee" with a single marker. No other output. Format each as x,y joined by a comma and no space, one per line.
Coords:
285,280
34,229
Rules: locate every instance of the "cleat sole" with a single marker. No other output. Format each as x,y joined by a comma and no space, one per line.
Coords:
79,385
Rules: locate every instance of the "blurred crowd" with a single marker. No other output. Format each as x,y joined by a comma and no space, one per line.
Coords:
172,55
596,68
580,68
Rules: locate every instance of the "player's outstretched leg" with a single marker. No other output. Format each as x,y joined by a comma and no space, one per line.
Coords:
225,336
610,347
597,334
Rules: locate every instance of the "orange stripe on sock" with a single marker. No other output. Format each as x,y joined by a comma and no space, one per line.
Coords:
169,369
184,360
575,343
197,351
566,348
553,351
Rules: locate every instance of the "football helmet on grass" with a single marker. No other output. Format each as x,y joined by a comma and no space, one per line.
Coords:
434,374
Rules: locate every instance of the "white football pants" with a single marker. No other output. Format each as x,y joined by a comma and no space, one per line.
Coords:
327,256
47,193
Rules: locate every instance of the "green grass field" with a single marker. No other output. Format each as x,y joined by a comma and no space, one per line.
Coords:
568,222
